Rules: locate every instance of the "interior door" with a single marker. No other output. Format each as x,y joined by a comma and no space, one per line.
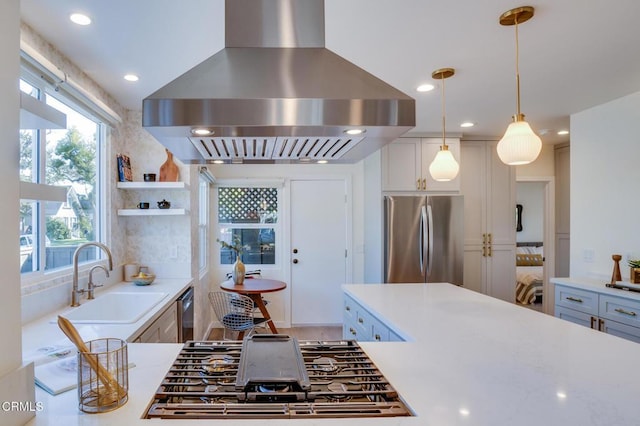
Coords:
318,251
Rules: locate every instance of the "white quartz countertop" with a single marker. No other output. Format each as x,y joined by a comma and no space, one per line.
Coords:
599,286
471,360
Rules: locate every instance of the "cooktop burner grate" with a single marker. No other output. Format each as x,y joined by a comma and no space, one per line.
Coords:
337,380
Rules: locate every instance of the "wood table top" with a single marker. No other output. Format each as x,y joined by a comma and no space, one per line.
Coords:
254,286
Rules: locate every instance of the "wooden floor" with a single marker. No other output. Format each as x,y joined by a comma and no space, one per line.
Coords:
302,333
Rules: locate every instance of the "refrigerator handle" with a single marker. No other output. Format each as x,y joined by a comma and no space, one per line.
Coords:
429,239
422,239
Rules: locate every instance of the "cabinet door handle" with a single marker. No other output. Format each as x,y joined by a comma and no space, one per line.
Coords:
352,331
573,299
600,324
424,184
377,337
489,250
418,187
593,323
622,311
360,320
347,308
484,251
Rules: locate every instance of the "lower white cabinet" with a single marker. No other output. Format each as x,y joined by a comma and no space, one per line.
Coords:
359,324
616,315
162,330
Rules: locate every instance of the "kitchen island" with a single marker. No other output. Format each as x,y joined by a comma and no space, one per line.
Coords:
469,360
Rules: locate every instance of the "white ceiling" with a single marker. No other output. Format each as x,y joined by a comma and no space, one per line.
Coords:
574,54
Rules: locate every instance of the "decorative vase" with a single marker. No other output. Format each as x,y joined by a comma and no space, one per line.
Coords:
237,274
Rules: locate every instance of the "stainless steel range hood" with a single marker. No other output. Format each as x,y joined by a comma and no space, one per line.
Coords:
276,94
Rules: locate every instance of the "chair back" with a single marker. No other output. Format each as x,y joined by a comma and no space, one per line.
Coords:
234,311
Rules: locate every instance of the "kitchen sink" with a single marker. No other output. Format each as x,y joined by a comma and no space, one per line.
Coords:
114,308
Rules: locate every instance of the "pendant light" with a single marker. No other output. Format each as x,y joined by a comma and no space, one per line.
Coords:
444,167
519,145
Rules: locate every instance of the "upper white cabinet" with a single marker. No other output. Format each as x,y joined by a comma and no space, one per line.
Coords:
488,186
405,165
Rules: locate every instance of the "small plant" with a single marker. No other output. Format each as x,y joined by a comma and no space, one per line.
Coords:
634,263
236,246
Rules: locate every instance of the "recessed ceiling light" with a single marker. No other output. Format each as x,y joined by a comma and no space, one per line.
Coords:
218,161
467,124
322,161
354,131
131,77
202,131
80,19
563,132
425,87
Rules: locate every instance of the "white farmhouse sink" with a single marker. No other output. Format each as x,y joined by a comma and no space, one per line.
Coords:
113,308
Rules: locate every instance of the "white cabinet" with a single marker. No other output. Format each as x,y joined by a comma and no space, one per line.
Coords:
152,211
619,316
359,324
488,186
162,330
405,165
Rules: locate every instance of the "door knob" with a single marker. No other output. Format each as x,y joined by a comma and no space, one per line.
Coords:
295,251
295,260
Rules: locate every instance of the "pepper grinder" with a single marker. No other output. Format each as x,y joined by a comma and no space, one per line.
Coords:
616,268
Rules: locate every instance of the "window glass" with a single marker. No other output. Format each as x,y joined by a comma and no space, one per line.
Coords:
62,157
247,218
28,143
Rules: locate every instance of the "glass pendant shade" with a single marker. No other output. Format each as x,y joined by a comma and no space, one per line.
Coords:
444,167
519,145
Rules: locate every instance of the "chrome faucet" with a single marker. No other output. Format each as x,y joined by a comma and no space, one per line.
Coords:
90,285
75,292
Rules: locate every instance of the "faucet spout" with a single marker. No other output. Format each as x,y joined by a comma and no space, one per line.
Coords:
75,292
90,285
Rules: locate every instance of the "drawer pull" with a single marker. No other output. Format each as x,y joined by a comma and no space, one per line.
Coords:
377,337
347,308
574,299
352,331
593,323
360,320
622,311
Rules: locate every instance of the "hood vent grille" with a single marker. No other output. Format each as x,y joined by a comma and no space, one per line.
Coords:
309,148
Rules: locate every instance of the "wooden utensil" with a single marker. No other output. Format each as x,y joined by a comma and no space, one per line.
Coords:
112,386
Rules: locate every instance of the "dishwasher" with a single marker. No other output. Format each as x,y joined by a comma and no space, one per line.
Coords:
185,316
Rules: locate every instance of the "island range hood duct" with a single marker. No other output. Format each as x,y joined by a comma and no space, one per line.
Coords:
276,94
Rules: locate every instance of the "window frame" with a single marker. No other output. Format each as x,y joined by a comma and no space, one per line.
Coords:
278,185
39,77
204,189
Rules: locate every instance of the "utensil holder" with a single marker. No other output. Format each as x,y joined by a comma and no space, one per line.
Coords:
107,387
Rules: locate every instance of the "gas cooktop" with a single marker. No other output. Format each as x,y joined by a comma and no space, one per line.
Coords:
274,376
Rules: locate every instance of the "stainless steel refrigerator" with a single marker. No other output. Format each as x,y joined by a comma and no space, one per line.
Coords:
423,239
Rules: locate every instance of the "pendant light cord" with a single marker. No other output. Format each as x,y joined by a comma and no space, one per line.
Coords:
444,145
518,114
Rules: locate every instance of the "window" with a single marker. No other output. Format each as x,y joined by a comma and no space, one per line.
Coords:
248,215
51,231
203,223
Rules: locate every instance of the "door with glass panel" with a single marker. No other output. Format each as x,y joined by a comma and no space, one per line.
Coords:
318,251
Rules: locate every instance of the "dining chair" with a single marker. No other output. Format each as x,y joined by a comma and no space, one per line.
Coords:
235,312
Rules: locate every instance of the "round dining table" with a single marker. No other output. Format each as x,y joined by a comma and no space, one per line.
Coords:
254,287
